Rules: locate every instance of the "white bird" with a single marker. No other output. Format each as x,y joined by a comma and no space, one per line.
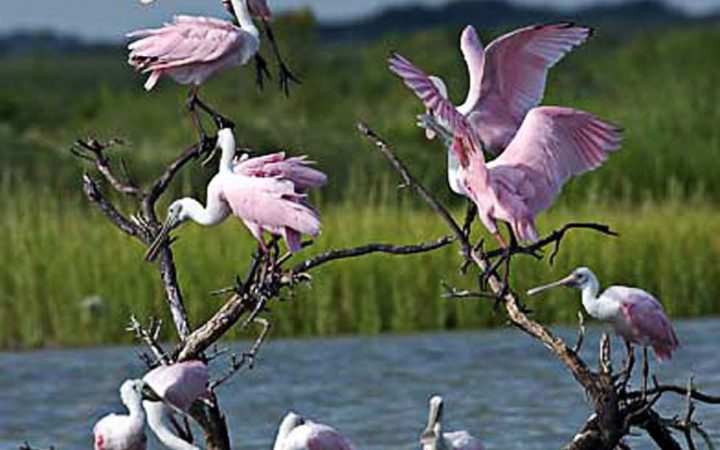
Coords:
123,432
177,386
297,433
433,438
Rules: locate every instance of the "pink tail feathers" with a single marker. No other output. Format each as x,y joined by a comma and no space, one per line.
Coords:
525,230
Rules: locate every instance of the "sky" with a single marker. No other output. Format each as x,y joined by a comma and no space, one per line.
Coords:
110,19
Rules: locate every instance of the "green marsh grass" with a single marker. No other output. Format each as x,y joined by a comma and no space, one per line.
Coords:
660,191
58,251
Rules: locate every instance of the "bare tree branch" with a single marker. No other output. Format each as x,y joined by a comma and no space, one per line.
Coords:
370,248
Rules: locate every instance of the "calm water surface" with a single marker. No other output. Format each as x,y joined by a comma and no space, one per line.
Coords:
498,384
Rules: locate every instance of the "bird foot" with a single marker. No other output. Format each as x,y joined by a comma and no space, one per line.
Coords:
285,78
261,71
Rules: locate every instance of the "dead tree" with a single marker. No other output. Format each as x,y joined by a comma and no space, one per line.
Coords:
268,276
616,411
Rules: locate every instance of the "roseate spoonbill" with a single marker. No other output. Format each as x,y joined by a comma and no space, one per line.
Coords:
506,81
433,438
125,432
552,145
297,433
636,316
191,49
267,193
177,387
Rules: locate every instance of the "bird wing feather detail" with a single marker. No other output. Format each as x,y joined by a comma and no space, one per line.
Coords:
517,64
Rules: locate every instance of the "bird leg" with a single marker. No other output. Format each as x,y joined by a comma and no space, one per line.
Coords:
284,75
645,373
629,364
191,104
261,71
469,217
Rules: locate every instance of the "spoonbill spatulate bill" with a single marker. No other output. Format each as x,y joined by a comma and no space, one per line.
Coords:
298,433
635,315
177,386
434,438
505,81
125,432
267,193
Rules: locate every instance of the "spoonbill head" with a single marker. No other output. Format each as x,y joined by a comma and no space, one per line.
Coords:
634,314
125,432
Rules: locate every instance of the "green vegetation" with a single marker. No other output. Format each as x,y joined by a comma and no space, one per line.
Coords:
660,191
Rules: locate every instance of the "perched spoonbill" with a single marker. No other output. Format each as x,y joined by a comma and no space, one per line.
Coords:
433,438
177,386
552,145
506,81
635,315
267,193
124,432
297,433
191,49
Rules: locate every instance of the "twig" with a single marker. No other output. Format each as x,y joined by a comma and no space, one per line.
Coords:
410,181
247,358
93,193
94,150
370,248
161,183
451,292
150,336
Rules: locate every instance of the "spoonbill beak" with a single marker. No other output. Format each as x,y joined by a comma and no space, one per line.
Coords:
149,394
171,222
569,281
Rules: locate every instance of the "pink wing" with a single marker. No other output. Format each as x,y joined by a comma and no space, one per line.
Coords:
328,439
517,63
186,41
181,383
270,203
296,169
553,144
646,317
425,89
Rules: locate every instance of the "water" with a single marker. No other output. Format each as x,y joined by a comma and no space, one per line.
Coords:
498,384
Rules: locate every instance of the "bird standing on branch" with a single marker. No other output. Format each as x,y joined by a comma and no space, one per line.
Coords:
268,193
635,315
177,386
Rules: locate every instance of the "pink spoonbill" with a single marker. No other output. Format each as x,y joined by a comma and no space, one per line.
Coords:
298,433
177,387
552,145
635,315
505,82
125,432
267,193
433,438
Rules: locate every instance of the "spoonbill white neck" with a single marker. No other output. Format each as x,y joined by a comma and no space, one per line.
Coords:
242,12
289,423
158,416
188,208
131,396
226,143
